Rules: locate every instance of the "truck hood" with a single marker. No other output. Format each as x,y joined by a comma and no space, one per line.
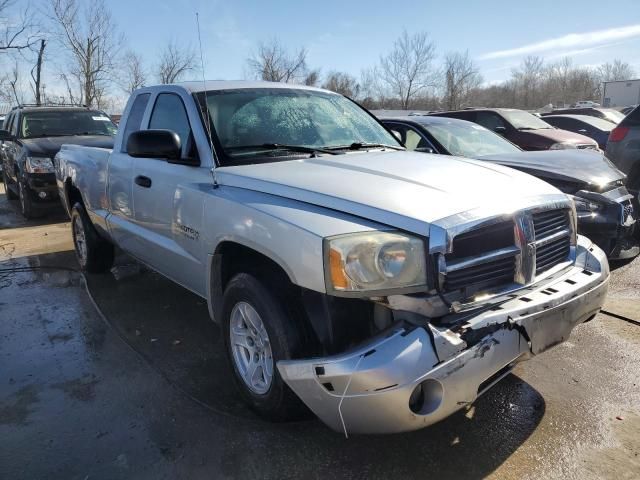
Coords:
406,190
580,166
49,146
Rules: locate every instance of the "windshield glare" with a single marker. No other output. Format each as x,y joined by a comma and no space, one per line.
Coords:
307,118
470,140
522,120
63,123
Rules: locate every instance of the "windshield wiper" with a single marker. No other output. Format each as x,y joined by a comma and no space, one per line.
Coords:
282,146
364,145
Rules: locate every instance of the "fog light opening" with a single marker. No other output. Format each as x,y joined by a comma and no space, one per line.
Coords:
426,398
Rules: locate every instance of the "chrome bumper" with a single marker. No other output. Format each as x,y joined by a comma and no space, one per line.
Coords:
370,389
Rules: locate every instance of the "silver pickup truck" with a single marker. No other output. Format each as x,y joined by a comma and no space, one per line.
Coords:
382,288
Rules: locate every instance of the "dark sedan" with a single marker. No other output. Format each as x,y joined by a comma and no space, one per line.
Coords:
592,127
603,204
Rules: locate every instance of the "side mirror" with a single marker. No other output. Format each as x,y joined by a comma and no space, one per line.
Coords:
500,129
154,144
5,136
425,150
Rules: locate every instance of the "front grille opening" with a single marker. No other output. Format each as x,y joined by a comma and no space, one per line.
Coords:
550,222
552,254
489,274
482,240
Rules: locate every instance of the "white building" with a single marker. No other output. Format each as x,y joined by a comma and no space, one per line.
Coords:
621,93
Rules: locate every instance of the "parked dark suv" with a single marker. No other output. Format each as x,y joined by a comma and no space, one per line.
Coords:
31,137
623,149
522,128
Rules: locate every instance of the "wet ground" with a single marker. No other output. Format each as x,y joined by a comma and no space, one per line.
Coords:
126,378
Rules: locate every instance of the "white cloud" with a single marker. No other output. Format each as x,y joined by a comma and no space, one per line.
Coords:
570,41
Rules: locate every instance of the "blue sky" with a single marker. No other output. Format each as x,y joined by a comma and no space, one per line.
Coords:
351,35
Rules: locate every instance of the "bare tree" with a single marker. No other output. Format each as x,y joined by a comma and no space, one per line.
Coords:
527,80
312,78
272,62
407,70
175,61
616,70
132,72
342,83
89,35
461,76
19,34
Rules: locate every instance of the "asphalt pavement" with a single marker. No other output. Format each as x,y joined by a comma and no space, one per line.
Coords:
109,378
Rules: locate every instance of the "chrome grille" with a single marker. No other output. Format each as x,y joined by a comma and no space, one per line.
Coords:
552,238
507,252
481,258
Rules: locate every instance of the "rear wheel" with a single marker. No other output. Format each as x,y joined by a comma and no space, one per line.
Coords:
258,332
94,254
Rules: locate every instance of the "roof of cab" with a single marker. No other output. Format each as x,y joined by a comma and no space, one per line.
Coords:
200,86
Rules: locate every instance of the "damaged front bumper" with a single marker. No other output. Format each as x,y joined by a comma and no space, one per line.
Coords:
412,377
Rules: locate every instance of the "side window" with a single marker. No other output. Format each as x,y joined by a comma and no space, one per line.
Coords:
490,120
169,114
410,138
134,120
15,124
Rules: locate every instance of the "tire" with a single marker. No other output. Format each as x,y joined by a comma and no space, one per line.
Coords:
633,185
8,192
275,402
26,202
94,254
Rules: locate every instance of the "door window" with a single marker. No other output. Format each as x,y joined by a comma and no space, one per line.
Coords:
169,114
490,120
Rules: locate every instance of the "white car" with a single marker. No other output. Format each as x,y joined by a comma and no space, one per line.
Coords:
586,103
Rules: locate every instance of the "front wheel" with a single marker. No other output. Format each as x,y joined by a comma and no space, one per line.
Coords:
94,254
26,202
8,192
258,332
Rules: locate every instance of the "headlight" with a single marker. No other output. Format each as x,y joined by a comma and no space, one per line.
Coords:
39,165
374,261
585,206
562,146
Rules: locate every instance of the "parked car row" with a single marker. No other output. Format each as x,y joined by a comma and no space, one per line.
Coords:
603,204
382,275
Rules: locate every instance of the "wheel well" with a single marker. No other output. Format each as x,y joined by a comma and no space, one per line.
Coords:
237,258
72,193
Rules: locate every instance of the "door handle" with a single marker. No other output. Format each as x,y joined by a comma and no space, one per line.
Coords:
143,181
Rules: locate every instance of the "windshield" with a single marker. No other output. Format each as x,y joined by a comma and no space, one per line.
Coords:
65,122
469,140
522,120
246,119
